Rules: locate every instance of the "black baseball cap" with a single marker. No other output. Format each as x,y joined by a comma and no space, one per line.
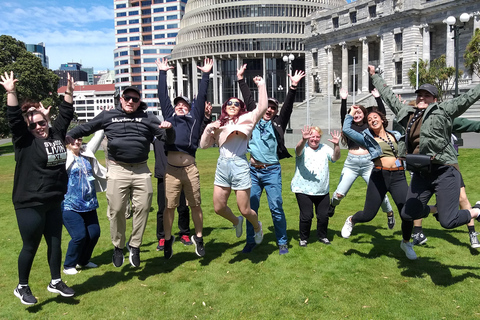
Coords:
274,101
177,99
429,88
132,88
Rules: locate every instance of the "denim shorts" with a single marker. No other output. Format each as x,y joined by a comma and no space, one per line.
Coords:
233,172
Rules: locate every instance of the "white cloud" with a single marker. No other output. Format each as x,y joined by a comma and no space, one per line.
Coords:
69,33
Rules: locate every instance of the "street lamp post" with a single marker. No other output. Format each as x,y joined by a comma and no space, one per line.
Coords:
288,60
451,21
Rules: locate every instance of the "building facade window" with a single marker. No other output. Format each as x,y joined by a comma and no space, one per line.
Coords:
398,72
353,17
372,11
335,22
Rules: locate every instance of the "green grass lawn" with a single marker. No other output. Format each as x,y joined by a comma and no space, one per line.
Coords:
364,277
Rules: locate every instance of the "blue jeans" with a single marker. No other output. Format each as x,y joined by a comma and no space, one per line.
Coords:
356,166
84,229
270,179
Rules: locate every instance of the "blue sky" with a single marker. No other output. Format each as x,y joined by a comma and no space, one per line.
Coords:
78,31
72,30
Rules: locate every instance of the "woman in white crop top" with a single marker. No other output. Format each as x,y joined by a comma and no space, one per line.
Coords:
231,132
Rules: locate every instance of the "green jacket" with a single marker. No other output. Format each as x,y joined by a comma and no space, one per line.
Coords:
437,123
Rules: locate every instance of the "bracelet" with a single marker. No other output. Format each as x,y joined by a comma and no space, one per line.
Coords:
14,92
69,93
295,87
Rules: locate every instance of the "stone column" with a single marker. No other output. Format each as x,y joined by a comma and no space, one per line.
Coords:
426,42
214,81
194,80
364,73
329,82
180,89
450,47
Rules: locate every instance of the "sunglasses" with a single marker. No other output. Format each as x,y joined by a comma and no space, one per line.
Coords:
128,98
236,103
33,125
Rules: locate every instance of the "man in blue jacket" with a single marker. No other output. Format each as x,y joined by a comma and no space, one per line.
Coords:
181,172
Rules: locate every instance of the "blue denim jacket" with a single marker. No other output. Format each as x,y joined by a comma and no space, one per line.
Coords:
365,138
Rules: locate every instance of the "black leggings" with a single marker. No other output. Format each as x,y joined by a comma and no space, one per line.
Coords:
306,204
34,222
380,182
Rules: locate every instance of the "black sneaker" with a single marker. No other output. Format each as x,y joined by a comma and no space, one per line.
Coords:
249,247
61,288
25,295
199,248
118,257
391,221
167,251
419,239
331,210
134,256
474,240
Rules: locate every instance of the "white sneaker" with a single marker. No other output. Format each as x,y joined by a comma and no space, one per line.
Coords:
88,265
259,235
239,227
70,271
408,248
347,228
303,243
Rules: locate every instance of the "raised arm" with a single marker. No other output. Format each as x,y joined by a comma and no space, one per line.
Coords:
343,107
162,89
262,98
378,99
336,147
66,112
208,136
349,132
246,93
287,106
9,84
199,109
96,141
385,91
301,144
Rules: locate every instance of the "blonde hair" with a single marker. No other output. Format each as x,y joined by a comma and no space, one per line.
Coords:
320,132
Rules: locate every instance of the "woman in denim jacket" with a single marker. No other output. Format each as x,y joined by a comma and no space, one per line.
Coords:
388,174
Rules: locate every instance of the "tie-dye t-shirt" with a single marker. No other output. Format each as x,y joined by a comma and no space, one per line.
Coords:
81,195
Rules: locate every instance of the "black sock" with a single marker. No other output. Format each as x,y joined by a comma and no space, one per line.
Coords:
471,229
417,230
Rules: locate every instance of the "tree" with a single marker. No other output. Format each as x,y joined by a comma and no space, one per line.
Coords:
436,73
472,54
36,83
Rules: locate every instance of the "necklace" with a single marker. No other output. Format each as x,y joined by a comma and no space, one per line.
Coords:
389,142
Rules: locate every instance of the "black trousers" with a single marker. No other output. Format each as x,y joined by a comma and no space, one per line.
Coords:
182,209
306,204
381,182
34,222
443,181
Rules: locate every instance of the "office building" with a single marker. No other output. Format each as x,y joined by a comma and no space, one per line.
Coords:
39,51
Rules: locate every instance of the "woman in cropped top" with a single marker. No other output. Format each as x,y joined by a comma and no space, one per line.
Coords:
231,132
388,173
358,162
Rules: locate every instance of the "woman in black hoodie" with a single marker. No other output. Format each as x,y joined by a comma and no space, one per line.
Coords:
40,183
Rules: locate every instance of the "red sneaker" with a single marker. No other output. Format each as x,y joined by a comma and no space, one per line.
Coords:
161,244
185,240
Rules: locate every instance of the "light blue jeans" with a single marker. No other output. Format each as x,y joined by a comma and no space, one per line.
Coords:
270,179
356,166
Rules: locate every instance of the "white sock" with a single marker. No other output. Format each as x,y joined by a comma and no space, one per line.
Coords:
20,286
55,281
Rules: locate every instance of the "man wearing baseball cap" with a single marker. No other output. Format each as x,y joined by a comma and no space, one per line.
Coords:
267,147
129,131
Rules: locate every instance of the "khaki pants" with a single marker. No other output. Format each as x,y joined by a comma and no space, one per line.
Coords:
125,182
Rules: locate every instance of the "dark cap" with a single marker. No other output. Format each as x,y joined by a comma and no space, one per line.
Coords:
177,99
132,88
429,88
274,101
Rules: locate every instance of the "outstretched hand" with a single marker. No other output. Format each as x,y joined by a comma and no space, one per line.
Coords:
241,71
353,110
208,109
207,65
335,137
9,81
162,64
343,93
295,79
375,93
306,132
70,83
371,70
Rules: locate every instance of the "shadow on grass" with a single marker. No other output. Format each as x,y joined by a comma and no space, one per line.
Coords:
58,299
424,266
6,149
